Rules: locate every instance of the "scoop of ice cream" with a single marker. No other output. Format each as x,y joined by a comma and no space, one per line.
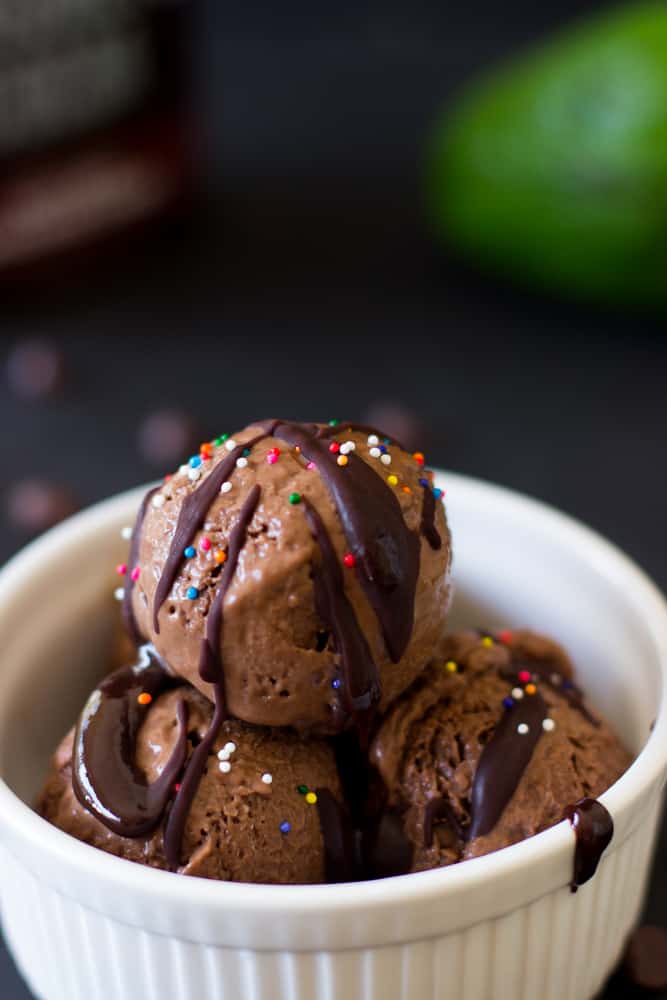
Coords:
255,816
490,746
304,567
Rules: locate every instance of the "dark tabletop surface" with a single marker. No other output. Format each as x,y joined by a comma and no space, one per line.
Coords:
307,288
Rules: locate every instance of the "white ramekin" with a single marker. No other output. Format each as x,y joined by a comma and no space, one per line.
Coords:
82,924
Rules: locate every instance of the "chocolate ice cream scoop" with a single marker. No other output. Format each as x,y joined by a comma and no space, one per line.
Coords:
266,808
299,572
492,744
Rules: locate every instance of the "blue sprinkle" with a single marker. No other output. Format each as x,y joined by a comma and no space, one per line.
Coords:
568,685
285,827
383,449
195,462
193,593
189,552
387,440
508,702
245,452
335,684
437,493
424,482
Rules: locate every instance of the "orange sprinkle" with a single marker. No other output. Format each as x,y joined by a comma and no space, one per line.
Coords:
406,489
206,449
342,459
145,698
530,689
220,555
418,457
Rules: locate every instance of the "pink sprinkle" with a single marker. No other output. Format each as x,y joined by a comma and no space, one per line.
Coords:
524,676
311,465
205,544
121,569
272,458
135,573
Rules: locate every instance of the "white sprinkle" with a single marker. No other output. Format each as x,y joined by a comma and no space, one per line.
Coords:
241,462
229,747
517,694
126,533
347,447
373,439
158,500
119,593
267,778
375,452
225,766
230,444
555,679
226,487
223,754
386,459
194,474
183,469
522,729
548,725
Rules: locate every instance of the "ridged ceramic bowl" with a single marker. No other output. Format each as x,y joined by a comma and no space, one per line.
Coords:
82,924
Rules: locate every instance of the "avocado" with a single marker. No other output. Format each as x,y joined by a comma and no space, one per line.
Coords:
554,168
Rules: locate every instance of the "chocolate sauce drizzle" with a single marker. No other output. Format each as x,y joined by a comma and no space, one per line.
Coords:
129,618
503,761
593,828
386,551
427,526
338,837
211,669
190,519
105,778
361,688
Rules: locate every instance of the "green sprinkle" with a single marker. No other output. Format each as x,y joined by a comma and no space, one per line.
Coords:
245,452
302,789
334,423
220,440
295,498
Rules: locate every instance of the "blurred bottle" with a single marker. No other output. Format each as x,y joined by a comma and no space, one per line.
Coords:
95,124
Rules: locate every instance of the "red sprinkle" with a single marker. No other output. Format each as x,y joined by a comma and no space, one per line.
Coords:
349,560
177,786
505,636
121,569
205,544
334,447
135,573
524,676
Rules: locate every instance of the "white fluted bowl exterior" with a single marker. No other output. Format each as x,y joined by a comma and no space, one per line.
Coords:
82,924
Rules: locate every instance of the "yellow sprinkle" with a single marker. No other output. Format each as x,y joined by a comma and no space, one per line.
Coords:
451,667
342,459
487,641
392,480
530,689
311,798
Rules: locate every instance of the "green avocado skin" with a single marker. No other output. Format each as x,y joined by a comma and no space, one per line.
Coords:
554,169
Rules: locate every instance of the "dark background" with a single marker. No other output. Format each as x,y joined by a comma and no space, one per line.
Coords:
307,287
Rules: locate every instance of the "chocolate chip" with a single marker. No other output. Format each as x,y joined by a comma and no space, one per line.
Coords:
167,437
645,962
35,369
398,422
33,505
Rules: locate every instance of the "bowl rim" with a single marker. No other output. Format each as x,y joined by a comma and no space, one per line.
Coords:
168,888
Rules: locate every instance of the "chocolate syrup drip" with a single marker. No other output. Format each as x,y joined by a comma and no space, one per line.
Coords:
437,810
105,778
387,850
427,526
593,828
210,663
175,825
503,761
192,516
129,618
338,836
386,551
360,691
211,669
